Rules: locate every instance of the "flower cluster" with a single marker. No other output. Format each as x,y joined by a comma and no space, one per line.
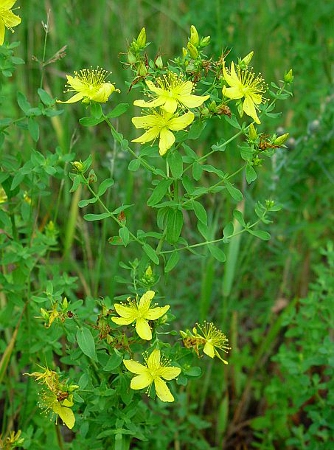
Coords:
172,96
56,396
207,336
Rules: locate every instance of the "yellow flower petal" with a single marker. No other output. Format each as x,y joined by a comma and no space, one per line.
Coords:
141,381
162,390
134,366
153,361
66,414
181,122
127,312
249,108
169,373
143,329
155,313
209,349
145,301
122,320
167,139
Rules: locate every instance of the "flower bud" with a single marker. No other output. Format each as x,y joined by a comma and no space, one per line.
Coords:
246,60
252,133
142,71
158,62
288,77
194,39
78,166
204,41
192,50
184,52
131,58
141,39
281,139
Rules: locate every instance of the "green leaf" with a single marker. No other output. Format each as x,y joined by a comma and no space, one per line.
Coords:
93,217
217,253
172,261
150,252
159,192
45,97
175,162
228,231
264,235
174,225
96,110
120,109
196,129
234,192
251,175
23,102
134,165
33,128
114,361
124,235
104,186
85,202
90,121
200,212
86,342
197,170
239,217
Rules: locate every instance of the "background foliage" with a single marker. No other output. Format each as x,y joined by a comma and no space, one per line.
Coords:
271,298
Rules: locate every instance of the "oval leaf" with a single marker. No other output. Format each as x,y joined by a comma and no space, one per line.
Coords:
86,342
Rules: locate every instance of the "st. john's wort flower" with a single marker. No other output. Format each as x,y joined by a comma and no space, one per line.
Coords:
139,313
243,84
161,125
89,85
155,371
170,92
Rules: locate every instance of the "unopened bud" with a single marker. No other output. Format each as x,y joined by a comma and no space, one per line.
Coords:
246,60
184,52
192,50
158,62
252,132
78,166
288,77
131,58
141,39
204,41
142,71
194,39
281,139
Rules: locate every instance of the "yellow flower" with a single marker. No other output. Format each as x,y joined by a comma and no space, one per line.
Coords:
154,372
59,405
160,125
57,397
7,18
90,85
139,313
244,84
211,339
172,91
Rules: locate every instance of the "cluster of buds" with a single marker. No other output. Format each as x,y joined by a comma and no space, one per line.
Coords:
58,312
13,440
